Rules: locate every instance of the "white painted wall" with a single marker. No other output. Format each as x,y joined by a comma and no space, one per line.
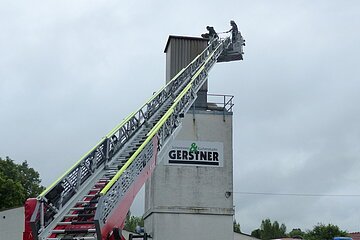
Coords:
12,224
189,201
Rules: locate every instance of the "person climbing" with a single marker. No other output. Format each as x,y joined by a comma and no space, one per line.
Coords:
234,30
212,33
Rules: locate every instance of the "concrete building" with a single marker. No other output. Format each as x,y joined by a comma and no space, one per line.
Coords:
12,224
189,197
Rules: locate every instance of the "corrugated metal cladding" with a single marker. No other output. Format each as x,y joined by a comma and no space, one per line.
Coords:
180,51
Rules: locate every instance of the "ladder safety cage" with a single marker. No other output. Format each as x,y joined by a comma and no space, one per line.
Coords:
154,122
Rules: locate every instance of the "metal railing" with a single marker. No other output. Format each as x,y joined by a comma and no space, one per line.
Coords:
121,187
221,102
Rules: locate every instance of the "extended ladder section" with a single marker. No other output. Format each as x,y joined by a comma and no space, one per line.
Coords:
91,200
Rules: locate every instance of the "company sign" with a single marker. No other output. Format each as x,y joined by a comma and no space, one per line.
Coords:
196,153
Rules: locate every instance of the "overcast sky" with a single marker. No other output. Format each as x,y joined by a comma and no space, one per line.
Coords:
71,70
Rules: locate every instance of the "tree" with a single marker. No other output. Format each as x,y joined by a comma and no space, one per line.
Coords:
269,230
30,180
256,233
236,227
132,221
296,233
17,183
325,232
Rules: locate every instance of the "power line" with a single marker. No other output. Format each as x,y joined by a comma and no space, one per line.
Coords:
298,194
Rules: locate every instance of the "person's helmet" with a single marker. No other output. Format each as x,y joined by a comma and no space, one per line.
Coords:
207,27
232,22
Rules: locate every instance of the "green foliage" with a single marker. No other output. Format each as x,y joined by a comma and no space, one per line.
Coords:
296,233
256,233
325,232
132,221
17,183
269,230
236,227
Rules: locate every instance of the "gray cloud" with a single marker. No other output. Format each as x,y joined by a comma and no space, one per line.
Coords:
70,71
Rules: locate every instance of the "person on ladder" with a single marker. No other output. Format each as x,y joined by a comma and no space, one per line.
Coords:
212,33
234,31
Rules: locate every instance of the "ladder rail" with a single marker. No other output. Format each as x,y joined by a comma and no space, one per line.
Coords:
51,202
124,188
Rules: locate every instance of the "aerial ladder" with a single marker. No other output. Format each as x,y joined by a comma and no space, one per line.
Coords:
90,201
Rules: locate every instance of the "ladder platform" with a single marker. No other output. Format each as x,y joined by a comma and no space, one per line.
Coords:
234,50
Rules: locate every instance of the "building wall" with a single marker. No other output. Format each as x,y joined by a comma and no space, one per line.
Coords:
185,226
12,224
180,51
192,200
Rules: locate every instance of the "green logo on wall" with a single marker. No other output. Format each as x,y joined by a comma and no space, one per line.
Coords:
193,148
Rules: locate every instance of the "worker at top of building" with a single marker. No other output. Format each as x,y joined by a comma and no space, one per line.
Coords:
234,30
212,33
